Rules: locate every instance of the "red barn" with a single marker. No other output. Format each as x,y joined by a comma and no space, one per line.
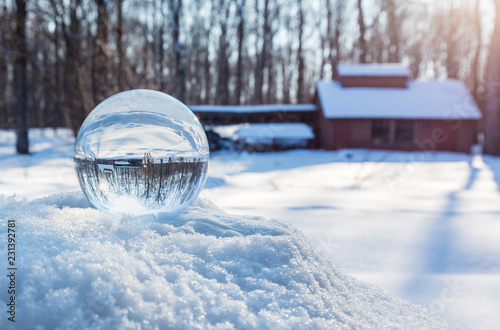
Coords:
377,106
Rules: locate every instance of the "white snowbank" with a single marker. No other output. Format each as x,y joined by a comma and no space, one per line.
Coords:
82,268
227,131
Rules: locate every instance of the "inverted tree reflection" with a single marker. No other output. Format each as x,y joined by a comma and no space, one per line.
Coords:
154,183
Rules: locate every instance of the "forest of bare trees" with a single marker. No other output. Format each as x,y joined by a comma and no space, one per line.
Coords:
58,59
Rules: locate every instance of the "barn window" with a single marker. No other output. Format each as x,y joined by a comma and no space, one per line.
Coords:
404,132
381,132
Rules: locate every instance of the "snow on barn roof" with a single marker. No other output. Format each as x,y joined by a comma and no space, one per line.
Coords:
373,70
276,131
253,108
448,99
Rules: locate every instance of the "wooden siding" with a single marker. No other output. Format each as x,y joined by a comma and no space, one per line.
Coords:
429,135
367,81
229,118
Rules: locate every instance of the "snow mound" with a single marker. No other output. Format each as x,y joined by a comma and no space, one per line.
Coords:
81,268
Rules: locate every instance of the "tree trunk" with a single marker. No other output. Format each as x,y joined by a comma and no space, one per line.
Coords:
492,128
362,34
176,7
394,30
452,62
207,65
477,55
261,61
206,73
300,56
56,87
119,45
239,64
74,105
100,68
285,74
335,38
326,41
4,82
21,79
160,49
271,78
222,87
269,32
286,64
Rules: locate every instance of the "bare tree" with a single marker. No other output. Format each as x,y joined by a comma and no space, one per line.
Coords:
100,63
300,55
261,58
363,51
176,9
492,129
73,100
264,83
6,50
286,60
452,60
416,37
207,65
224,51
196,57
476,69
324,39
119,45
21,79
241,35
334,54
223,73
394,23
160,46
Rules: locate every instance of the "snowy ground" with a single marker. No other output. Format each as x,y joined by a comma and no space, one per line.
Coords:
79,268
425,230
422,226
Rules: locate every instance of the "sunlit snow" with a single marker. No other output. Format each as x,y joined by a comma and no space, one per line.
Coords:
422,226
82,268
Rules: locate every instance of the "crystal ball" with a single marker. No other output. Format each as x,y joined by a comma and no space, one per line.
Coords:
140,152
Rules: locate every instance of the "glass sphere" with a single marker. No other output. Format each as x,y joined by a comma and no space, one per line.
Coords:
141,151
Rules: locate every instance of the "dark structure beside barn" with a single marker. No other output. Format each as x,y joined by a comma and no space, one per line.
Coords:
213,115
377,106
268,125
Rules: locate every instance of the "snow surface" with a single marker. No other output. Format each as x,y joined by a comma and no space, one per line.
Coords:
275,131
253,108
442,100
423,226
82,268
227,131
375,70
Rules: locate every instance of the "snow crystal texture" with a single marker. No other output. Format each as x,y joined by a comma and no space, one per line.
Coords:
80,268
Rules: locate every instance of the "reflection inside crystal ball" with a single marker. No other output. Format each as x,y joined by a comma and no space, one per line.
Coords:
140,152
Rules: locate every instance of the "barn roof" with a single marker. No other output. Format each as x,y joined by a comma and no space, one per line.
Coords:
373,70
448,99
254,108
